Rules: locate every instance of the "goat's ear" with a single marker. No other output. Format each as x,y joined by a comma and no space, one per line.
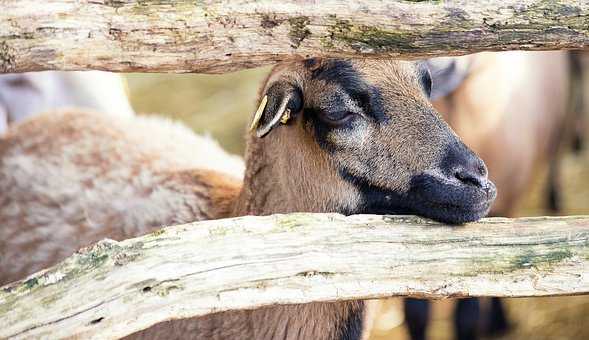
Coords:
280,102
447,74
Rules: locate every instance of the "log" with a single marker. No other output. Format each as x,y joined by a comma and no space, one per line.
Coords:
220,36
113,289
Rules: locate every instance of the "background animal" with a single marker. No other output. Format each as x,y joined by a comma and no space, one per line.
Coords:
25,94
334,136
513,109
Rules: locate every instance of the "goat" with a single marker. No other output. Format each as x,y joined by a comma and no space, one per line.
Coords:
347,136
512,109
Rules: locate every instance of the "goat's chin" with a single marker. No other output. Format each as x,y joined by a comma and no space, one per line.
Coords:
448,201
442,212
452,214
444,202
441,199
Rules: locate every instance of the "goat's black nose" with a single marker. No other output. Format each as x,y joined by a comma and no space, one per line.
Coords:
472,171
459,187
462,166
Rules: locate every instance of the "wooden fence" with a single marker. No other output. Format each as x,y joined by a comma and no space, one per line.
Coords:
113,289
221,36
201,268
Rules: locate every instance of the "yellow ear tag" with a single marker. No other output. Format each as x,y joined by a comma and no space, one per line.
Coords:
258,114
285,116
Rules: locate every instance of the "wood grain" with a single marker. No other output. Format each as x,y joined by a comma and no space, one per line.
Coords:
113,289
224,36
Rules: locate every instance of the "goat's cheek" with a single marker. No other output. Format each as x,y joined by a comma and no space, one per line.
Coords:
356,137
349,198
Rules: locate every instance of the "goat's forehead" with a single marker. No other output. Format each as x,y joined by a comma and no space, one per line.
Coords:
334,95
361,74
379,71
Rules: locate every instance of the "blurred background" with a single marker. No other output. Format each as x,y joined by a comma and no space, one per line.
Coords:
221,105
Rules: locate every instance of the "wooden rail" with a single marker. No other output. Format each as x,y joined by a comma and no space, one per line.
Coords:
220,36
113,289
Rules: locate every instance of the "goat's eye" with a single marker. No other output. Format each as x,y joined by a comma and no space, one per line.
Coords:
336,117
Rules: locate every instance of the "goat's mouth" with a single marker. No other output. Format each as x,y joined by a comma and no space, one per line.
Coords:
433,197
448,200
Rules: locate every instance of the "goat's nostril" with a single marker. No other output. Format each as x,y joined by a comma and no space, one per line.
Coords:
482,170
465,167
470,178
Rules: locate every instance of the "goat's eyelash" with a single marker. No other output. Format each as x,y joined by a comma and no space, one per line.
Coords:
337,115
338,118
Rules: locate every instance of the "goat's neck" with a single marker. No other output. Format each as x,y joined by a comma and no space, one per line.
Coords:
263,194
277,183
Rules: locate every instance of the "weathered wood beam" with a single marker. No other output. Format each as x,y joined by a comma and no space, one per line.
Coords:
116,288
221,36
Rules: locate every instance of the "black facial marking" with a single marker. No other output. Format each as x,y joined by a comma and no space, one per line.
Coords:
436,195
320,129
375,105
375,200
367,97
342,73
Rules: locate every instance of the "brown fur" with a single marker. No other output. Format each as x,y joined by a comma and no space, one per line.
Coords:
321,321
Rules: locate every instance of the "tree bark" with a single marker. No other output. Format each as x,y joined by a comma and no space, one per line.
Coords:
222,36
113,289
